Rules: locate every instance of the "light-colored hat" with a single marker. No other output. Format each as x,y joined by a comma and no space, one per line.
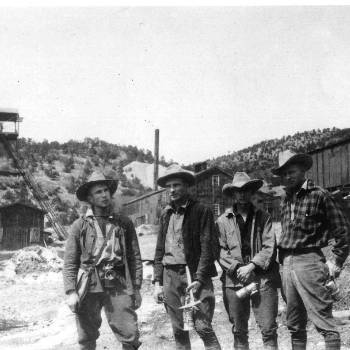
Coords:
175,171
288,157
242,181
96,178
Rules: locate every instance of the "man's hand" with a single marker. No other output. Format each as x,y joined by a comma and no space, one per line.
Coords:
73,301
195,286
158,293
245,272
137,299
334,269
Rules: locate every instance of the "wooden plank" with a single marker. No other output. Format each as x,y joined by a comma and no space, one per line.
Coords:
326,167
314,172
344,164
335,167
320,172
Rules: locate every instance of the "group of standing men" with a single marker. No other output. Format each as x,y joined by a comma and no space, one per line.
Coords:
242,240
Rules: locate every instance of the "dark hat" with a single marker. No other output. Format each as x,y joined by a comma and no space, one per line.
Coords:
175,171
96,178
242,181
288,157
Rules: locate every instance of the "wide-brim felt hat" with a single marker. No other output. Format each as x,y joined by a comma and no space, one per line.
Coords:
96,177
242,181
288,157
175,171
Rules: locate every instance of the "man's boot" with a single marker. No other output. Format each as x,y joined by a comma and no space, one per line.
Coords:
298,344
130,346
333,344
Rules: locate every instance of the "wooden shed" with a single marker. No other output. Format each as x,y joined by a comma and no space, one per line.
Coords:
331,166
21,225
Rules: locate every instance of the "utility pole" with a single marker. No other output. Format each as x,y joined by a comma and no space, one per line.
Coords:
156,159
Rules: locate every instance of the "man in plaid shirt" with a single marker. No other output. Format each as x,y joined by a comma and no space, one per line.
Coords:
310,218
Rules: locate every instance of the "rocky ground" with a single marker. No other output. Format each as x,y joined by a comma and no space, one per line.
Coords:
33,316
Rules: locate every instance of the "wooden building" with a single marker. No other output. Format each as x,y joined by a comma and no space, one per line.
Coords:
331,170
20,225
331,166
208,188
209,181
147,208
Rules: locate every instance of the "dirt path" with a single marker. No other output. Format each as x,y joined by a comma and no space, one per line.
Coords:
36,305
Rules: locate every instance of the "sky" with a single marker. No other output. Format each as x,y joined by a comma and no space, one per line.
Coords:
213,79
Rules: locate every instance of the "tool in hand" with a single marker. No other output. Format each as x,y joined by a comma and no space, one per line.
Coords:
190,304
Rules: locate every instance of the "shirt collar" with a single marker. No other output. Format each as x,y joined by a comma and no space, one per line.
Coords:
308,185
230,212
181,209
90,214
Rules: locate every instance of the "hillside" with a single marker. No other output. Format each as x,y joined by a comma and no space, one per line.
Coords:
60,168
257,160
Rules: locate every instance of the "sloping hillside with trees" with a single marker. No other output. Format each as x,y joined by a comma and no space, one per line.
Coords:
258,159
59,168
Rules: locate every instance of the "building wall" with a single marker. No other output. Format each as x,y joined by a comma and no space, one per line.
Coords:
20,227
331,167
207,191
146,210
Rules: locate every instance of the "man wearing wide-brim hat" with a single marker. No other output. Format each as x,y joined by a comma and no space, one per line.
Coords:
248,255
186,238
108,240
310,218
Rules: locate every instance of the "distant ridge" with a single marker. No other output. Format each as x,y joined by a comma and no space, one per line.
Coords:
259,158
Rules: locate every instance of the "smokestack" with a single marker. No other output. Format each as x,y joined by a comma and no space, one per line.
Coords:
156,159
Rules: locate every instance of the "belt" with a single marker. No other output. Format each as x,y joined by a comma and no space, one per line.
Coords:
176,267
282,253
299,251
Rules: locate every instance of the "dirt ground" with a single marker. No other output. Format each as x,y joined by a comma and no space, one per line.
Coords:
33,316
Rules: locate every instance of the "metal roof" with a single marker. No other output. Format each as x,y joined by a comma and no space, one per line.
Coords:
331,145
9,115
29,205
211,170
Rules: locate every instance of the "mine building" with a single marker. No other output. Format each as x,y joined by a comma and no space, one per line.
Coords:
209,181
21,224
331,170
331,166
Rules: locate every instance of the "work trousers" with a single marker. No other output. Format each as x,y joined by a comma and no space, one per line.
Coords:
121,317
174,286
304,283
265,307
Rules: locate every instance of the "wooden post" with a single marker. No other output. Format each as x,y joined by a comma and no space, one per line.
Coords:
156,159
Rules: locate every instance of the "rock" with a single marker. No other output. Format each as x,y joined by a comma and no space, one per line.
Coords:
36,259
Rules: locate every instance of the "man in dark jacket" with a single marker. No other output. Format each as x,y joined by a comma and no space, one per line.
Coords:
116,280
186,237
248,255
